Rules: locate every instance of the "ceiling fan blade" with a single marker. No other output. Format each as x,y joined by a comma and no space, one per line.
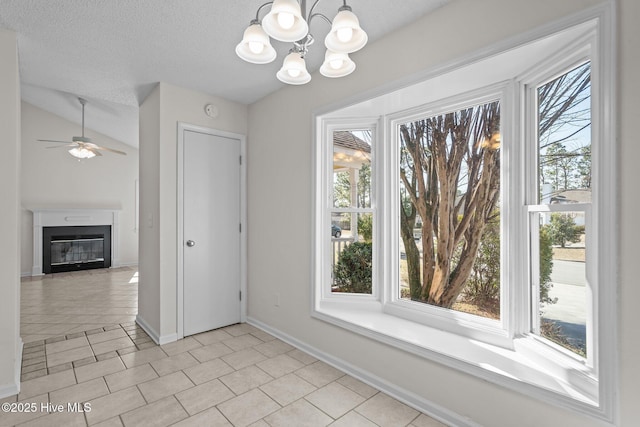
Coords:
63,146
83,143
110,150
52,140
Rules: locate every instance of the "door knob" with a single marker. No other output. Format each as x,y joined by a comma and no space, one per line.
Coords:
191,243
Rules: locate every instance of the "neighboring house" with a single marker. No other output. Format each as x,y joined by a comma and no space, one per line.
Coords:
573,196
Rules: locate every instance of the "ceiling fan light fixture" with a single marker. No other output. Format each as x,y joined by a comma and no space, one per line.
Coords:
284,21
84,148
81,153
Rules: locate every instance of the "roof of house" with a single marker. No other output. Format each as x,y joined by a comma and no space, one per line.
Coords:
572,196
349,140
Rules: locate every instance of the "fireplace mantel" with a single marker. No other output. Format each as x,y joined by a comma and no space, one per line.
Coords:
70,217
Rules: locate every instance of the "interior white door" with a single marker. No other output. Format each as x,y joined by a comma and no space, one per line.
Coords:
211,264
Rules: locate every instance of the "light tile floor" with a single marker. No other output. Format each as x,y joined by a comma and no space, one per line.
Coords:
63,303
233,376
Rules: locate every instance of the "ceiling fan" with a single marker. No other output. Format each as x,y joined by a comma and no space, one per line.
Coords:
82,147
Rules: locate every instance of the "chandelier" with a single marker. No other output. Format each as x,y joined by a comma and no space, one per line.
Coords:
285,22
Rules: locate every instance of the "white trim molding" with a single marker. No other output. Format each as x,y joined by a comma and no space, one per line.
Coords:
155,336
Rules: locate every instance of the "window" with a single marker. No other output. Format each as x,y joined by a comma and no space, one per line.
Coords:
449,177
348,214
478,206
560,210
351,213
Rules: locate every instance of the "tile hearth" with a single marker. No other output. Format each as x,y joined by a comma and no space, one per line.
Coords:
233,376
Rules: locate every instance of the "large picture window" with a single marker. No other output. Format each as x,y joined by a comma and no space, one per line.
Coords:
471,219
449,210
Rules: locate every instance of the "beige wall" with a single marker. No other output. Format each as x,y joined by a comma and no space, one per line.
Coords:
51,178
149,236
165,107
628,109
10,342
279,161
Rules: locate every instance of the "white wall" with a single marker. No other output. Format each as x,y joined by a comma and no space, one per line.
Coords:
149,237
10,342
160,113
52,178
629,291
279,181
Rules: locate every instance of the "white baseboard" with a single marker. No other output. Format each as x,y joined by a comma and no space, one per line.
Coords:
12,389
157,338
433,410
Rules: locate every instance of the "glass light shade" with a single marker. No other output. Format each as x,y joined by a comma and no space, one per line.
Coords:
294,70
284,21
81,153
337,65
345,36
255,46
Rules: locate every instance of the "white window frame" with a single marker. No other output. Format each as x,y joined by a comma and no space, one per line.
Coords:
582,51
507,354
464,324
324,198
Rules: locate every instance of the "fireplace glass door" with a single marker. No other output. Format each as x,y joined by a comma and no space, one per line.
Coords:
75,251
75,248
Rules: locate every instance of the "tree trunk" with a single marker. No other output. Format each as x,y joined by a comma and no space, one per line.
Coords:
407,223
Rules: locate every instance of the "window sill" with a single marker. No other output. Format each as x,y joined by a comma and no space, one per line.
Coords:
530,367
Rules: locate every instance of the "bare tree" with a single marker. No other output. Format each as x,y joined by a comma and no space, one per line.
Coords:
450,174
450,169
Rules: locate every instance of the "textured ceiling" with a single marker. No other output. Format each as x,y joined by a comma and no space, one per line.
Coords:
113,52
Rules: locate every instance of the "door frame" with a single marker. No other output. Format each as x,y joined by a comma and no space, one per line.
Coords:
186,127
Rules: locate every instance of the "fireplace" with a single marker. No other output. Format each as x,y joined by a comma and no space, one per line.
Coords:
74,239
75,248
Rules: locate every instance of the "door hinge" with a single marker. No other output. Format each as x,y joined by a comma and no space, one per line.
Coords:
240,227
240,295
241,160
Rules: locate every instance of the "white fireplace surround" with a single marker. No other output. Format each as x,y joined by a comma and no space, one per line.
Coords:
72,217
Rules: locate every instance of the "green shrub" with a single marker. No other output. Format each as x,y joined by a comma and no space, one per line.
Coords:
483,285
365,227
562,229
546,267
352,272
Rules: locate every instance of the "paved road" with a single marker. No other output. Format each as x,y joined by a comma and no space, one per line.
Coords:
569,312
568,272
568,279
